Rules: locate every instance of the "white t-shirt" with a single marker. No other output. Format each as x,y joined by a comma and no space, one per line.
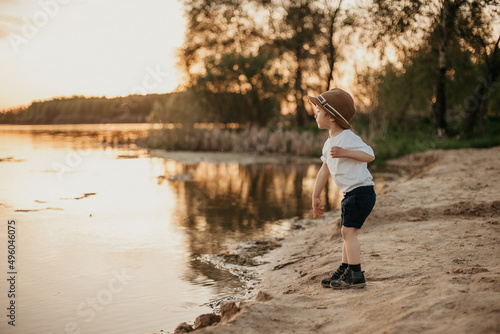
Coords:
348,174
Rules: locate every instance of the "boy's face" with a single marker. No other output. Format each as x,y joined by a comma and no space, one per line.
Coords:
323,120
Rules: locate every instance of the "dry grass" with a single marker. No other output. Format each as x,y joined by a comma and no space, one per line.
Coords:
251,139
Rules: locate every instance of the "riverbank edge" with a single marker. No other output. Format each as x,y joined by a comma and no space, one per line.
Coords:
305,142
293,287
251,275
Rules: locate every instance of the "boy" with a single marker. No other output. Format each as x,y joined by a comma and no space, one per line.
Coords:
345,157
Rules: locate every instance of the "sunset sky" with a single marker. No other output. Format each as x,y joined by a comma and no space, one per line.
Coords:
54,48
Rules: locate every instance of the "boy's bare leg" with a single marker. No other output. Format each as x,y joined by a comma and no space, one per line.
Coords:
351,246
344,253
353,277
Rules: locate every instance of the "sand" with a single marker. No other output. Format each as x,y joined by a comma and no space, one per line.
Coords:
430,252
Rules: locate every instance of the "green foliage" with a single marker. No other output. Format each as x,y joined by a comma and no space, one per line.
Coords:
404,95
280,55
460,33
308,141
229,63
183,107
79,109
398,143
249,79
206,107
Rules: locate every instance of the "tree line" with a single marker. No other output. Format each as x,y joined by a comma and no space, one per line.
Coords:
185,107
81,109
434,61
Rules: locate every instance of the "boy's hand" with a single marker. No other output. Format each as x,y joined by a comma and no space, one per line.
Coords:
338,152
317,208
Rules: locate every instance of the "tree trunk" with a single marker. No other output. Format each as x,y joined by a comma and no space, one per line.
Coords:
440,104
482,114
257,111
331,56
403,111
331,46
300,112
475,104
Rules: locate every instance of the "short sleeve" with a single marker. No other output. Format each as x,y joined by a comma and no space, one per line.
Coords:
324,152
357,144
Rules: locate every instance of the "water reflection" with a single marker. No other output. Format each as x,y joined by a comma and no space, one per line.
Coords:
81,136
222,204
225,203
120,208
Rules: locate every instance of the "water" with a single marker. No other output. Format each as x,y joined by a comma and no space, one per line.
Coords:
108,236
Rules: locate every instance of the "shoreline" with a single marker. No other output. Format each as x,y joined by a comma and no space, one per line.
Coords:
429,251
242,158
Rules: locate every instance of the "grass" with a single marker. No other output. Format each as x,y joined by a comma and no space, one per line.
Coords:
308,141
400,143
251,139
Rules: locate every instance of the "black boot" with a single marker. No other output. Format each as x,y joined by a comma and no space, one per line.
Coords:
336,275
350,279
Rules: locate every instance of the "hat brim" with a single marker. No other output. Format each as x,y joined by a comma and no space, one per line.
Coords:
339,120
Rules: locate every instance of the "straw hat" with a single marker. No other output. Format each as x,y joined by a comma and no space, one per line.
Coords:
338,103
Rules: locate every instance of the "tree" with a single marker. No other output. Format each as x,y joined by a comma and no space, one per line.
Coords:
251,75
475,29
215,28
275,51
225,51
330,51
296,38
441,19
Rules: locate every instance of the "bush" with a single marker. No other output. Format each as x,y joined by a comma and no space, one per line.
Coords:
249,139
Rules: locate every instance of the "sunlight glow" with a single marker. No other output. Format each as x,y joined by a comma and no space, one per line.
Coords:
94,48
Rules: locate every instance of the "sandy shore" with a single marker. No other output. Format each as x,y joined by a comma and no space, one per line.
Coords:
430,252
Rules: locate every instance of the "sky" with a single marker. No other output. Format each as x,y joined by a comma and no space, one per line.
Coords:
53,48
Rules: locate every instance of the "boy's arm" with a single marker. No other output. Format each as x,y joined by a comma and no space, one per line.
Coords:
339,152
319,184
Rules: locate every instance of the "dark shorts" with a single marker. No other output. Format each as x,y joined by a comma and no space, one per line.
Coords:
357,206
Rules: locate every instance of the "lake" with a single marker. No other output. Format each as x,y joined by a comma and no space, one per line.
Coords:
108,237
